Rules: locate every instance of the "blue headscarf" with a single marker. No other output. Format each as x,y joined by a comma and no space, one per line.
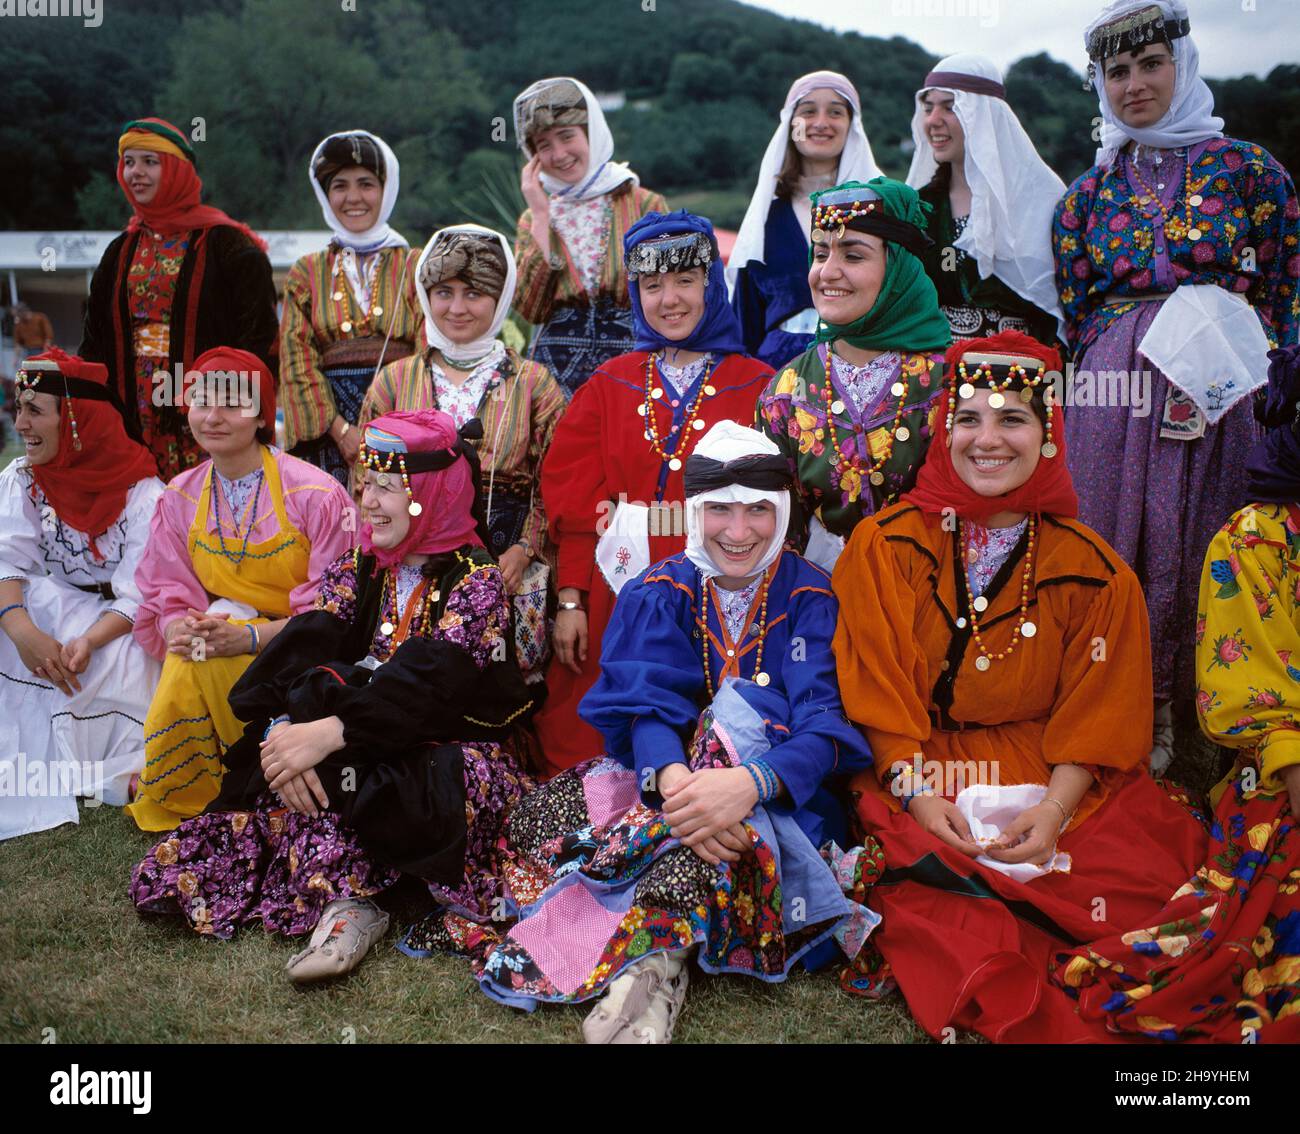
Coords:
718,329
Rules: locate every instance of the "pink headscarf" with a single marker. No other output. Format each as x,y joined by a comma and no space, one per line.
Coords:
446,496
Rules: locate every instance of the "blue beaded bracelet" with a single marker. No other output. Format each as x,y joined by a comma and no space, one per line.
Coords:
274,721
764,779
12,606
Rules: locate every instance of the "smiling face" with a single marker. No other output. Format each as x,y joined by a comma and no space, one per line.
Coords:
672,302
221,426
142,172
461,311
942,127
356,196
995,451
736,535
1140,84
846,276
37,423
564,152
819,125
385,508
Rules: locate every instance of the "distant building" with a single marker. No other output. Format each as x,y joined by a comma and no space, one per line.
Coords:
50,271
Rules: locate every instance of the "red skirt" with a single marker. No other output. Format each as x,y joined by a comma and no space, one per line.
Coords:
973,949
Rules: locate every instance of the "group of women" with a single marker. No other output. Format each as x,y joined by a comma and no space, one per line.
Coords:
851,661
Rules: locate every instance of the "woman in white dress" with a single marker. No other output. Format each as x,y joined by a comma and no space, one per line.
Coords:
74,518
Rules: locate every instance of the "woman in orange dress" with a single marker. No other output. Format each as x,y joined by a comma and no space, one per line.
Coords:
996,653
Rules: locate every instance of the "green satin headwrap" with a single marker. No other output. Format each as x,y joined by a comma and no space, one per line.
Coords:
906,314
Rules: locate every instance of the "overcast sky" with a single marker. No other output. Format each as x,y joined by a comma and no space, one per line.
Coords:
1235,37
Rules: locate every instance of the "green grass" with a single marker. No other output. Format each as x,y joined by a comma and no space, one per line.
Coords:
78,958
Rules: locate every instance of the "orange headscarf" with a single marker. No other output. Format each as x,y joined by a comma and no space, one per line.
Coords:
175,207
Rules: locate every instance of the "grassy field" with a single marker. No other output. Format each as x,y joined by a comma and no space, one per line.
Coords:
78,959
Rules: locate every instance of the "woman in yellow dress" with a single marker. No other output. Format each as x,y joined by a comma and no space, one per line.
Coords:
237,545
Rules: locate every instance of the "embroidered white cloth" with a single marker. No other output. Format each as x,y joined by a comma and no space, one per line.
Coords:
679,379
735,607
989,808
1210,344
584,227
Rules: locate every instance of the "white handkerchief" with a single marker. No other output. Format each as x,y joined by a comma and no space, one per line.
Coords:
623,551
989,808
1210,344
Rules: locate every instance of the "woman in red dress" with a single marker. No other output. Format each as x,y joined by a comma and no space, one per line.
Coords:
612,480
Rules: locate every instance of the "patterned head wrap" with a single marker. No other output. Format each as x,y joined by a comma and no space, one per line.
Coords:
473,257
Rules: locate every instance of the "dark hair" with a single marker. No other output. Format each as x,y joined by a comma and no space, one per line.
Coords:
787,181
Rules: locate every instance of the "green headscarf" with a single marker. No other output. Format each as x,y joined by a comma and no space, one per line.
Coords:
906,314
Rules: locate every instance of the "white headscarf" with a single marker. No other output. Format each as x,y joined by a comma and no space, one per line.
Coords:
489,342
379,235
1013,191
602,175
1190,118
728,441
857,163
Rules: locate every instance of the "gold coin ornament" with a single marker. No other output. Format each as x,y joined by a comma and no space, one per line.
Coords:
1049,449
965,390
837,406
415,507
346,326
996,400
387,629
1194,200
641,409
338,297
897,389
982,663
674,464
709,391
698,423
1028,630
981,604
961,624
902,433
762,679
877,478
1194,234
378,310
1027,394
656,393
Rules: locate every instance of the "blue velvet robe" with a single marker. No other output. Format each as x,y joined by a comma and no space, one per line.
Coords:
768,293
652,690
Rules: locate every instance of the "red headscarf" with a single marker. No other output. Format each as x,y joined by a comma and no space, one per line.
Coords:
232,359
446,497
1049,488
175,207
87,487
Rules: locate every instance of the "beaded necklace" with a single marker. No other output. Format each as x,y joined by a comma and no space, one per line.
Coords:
1172,224
896,432
249,509
422,595
977,604
341,293
689,422
760,677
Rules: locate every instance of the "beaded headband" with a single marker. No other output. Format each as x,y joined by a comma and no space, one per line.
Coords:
380,449
999,373
833,211
34,376
1132,32
676,253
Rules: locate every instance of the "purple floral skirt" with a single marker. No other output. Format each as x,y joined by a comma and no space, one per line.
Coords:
222,870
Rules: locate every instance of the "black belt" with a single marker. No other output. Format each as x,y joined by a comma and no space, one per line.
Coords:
944,723
102,589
